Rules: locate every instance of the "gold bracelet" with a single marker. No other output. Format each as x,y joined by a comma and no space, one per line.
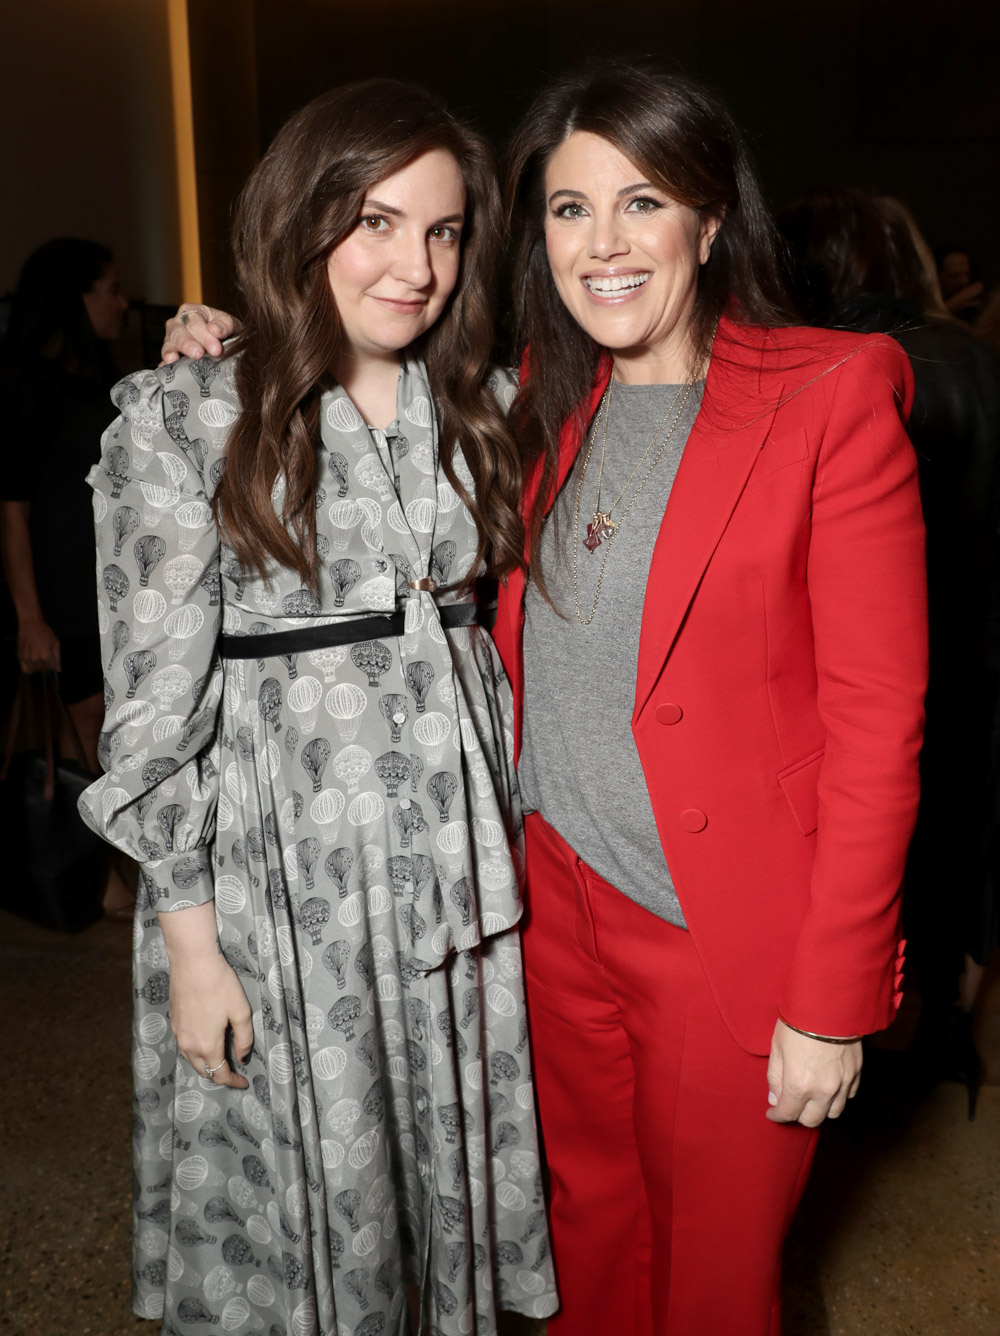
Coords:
823,1038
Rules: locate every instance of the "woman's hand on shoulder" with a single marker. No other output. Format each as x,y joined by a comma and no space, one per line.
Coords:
809,1079
196,330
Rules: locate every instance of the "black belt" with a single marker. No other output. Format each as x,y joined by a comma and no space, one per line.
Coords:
348,631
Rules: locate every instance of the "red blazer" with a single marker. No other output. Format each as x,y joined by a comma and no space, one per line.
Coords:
782,666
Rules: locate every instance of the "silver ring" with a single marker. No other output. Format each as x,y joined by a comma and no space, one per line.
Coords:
185,317
210,1071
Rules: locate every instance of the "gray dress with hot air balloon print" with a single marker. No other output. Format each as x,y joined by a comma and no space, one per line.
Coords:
354,812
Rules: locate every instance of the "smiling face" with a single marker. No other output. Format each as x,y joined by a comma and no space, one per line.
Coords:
624,257
391,277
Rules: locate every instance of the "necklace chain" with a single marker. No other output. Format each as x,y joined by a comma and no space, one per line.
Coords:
603,526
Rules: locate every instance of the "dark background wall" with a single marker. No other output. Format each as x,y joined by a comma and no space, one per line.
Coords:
896,94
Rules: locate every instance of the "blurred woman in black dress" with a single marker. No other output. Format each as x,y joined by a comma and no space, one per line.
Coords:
67,309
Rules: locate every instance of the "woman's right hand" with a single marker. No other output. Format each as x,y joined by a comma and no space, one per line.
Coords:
203,332
206,999
37,647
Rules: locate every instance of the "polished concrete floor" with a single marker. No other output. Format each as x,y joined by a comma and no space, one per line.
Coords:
899,1234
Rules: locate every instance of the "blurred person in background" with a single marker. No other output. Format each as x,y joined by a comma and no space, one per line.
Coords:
961,290
57,370
860,262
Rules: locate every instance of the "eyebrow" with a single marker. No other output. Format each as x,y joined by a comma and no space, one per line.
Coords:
625,190
370,205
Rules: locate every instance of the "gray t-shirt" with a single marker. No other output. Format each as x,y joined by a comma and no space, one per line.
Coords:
579,766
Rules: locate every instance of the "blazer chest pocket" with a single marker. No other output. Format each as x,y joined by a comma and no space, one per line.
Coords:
799,785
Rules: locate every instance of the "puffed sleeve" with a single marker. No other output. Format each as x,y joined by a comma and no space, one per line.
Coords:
159,613
867,594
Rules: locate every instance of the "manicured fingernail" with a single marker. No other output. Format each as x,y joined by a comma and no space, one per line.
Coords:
772,1098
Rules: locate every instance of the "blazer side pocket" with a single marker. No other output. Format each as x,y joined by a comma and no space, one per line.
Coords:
799,784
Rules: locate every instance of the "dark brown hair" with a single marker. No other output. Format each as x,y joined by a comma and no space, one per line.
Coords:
843,241
680,134
301,201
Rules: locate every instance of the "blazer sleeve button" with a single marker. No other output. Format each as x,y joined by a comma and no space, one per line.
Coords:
668,713
693,820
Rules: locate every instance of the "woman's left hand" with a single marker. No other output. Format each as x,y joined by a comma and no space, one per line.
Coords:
810,1080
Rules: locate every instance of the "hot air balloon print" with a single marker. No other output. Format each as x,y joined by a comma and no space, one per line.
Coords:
441,789
409,820
182,625
124,523
372,658
149,550
210,581
307,853
346,703
343,1015
393,769
365,813
116,462
432,732
326,810
188,871
419,675
116,584
168,818
313,918
218,416
442,556
372,1325
314,757
301,603
120,637
350,765
416,770
339,469
338,866
395,710
138,665
269,699
328,660
232,570
157,501
148,606
344,575
335,958
304,696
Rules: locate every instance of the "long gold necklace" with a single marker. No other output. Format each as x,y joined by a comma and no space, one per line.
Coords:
602,526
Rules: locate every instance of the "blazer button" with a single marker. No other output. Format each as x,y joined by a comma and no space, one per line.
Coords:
693,820
668,713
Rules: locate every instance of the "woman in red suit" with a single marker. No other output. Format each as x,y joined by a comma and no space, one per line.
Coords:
721,701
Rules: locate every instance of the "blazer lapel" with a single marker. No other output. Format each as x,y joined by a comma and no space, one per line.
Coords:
720,453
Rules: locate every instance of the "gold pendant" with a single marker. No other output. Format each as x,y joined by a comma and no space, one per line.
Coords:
600,527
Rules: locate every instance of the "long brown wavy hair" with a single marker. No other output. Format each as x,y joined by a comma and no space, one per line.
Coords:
683,138
301,201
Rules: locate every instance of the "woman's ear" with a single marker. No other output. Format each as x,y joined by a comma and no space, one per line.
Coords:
710,224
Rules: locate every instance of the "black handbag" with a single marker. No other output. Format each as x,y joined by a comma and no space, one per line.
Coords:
55,864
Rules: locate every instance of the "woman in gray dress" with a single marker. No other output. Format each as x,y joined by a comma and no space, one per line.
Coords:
309,750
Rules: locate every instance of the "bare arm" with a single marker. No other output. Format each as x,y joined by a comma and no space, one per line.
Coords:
37,643
206,997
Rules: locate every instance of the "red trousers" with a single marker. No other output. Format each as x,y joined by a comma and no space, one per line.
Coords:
671,1192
